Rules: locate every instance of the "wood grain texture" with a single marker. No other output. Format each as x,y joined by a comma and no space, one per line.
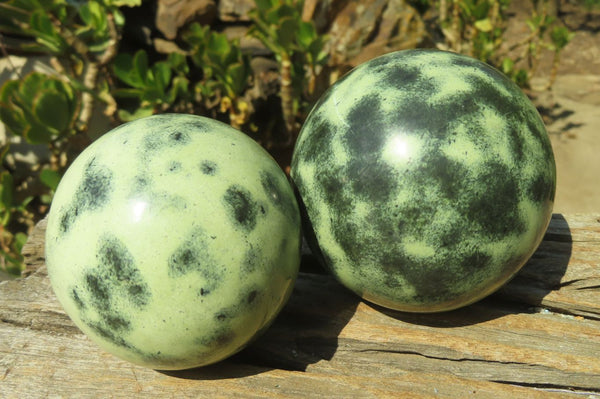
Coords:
538,337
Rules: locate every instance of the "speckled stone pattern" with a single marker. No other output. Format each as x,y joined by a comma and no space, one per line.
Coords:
427,178
173,241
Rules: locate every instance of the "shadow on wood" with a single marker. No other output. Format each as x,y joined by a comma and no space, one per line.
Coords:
544,273
305,332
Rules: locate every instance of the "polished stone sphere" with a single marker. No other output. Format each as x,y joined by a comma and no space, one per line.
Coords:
427,180
173,241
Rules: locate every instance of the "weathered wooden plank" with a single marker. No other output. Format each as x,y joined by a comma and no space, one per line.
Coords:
43,366
33,250
36,362
564,273
538,337
492,340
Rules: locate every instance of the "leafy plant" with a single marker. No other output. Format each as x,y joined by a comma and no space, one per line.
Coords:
153,86
477,28
545,34
11,243
54,109
298,50
590,4
39,108
226,71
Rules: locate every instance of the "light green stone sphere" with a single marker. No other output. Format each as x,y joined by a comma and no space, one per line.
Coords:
173,241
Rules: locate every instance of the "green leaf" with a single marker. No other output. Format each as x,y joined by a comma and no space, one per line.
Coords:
45,32
284,11
20,240
94,15
7,191
319,57
3,151
521,78
218,43
46,198
484,25
286,33
466,6
8,90
99,47
306,34
263,5
179,87
30,87
140,66
162,75
13,118
178,63
118,17
507,66
560,36
52,109
123,69
123,3
235,53
481,10
152,95
237,76
141,112
128,93
36,133
196,36
40,22
50,178
62,87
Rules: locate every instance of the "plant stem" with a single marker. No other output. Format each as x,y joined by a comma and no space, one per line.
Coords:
554,70
456,36
287,97
90,77
443,12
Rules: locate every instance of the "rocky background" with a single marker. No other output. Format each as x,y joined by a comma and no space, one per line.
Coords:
359,30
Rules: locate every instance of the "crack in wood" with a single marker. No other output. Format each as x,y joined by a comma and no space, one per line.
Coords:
567,283
15,323
582,313
558,237
40,324
6,372
460,359
553,387
589,287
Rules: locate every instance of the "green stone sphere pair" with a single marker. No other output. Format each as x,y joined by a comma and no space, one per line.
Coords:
426,180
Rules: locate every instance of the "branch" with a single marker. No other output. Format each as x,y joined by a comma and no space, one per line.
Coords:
90,77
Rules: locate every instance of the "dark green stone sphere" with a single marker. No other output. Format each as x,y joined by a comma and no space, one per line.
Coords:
427,180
